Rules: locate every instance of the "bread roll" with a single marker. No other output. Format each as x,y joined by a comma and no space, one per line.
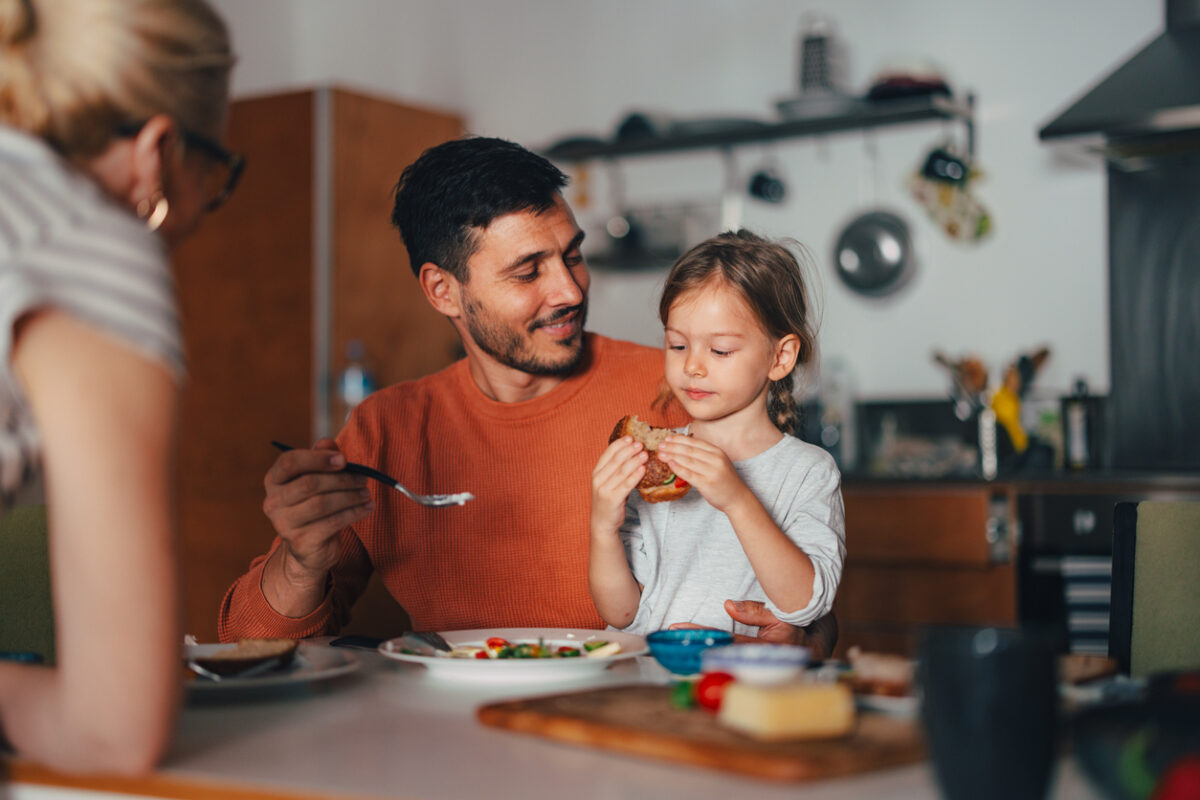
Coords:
659,484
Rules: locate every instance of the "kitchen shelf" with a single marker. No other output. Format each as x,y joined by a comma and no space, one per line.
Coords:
854,115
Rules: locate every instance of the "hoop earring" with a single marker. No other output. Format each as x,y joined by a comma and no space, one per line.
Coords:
154,210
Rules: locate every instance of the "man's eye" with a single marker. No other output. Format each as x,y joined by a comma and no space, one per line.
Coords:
573,260
527,277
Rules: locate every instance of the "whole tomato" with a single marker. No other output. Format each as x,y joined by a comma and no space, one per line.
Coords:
1181,781
711,688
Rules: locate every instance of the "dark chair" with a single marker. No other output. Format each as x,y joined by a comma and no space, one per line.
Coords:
1155,621
26,609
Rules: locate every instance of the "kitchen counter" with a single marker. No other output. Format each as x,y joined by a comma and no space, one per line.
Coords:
392,730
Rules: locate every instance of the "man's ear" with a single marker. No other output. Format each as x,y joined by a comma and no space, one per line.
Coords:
442,289
787,350
155,145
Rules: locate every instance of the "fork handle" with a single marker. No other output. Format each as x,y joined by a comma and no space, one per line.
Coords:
351,467
363,469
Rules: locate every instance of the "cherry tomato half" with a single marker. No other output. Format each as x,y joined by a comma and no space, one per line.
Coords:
495,643
481,654
680,483
711,688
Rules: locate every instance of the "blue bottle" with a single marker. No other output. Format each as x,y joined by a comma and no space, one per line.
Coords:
356,380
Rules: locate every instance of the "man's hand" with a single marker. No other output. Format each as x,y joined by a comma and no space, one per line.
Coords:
819,637
309,500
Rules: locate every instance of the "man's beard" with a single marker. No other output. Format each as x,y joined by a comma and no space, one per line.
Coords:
513,349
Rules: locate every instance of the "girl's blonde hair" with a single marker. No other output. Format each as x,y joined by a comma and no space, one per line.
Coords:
769,277
74,71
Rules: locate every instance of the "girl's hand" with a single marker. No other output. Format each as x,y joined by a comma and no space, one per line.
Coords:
705,466
617,472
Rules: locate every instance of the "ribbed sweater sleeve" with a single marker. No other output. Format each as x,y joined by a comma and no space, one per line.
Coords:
516,555
245,611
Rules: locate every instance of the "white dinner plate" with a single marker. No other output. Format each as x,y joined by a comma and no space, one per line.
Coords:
313,662
520,669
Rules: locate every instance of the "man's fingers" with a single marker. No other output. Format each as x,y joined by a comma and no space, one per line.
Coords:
299,462
749,612
326,528
329,504
312,484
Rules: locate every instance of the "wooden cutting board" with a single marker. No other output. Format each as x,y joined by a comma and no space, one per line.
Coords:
641,720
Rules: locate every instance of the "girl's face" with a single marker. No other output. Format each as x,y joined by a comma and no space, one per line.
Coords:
719,359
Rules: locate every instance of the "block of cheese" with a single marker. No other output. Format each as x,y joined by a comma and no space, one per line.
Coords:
788,711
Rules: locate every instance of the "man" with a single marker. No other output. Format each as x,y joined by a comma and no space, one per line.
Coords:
519,422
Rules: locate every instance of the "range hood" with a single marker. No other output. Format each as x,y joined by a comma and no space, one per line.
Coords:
1154,95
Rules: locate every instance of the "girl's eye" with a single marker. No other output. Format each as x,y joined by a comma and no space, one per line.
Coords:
721,352
674,347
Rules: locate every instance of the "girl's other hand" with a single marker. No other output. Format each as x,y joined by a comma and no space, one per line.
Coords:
617,472
706,467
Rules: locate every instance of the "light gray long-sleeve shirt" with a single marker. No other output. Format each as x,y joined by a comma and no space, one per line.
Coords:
688,559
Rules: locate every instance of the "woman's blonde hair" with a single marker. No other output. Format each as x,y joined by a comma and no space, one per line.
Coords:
74,71
770,278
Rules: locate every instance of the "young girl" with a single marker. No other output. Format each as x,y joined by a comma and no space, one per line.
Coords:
765,519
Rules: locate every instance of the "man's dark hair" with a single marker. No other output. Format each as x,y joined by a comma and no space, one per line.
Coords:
462,185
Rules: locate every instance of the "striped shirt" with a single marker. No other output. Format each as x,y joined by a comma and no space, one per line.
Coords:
64,244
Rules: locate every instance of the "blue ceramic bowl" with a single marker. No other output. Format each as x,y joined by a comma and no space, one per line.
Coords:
679,650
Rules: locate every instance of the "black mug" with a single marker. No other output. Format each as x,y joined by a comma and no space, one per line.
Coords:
989,708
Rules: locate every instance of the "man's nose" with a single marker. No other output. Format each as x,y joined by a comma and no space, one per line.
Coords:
564,287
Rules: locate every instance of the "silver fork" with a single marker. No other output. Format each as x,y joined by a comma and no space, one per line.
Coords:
424,499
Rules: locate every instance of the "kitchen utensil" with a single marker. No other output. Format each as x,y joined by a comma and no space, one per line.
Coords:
757,663
679,649
767,185
312,663
431,638
641,720
257,669
424,499
990,709
874,253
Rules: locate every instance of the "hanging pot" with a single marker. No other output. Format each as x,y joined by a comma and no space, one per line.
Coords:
874,253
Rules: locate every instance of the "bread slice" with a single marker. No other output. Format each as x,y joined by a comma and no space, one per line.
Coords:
880,673
248,653
659,483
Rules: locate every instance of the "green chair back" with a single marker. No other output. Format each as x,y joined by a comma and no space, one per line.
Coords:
26,608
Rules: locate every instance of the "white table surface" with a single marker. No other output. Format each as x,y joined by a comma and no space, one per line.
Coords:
392,730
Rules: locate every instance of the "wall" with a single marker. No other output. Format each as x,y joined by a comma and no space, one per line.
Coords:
543,69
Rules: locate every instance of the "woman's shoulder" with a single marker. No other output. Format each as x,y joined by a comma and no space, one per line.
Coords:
46,203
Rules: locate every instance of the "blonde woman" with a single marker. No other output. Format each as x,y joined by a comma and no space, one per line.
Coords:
111,116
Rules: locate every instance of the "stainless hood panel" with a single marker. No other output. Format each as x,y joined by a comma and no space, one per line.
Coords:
1157,91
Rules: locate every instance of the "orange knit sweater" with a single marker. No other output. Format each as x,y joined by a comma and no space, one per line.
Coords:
516,556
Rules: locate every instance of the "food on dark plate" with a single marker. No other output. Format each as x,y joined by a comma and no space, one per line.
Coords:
659,484
880,673
248,653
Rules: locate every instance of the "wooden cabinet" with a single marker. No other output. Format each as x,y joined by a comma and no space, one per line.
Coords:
923,555
301,260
